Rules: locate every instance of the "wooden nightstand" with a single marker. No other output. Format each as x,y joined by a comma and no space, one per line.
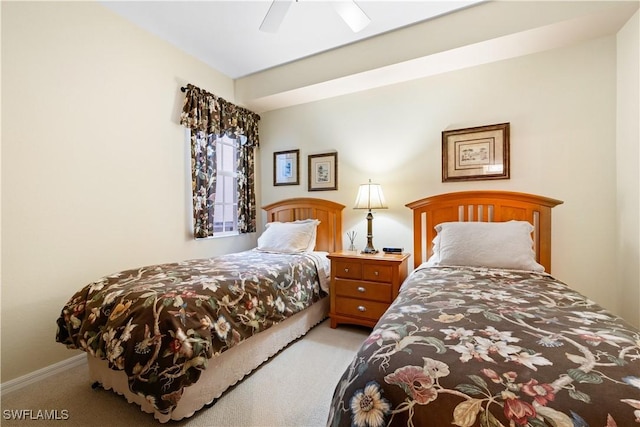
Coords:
363,286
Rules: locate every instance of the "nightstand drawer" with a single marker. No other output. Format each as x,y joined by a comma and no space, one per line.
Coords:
363,290
359,308
377,273
348,269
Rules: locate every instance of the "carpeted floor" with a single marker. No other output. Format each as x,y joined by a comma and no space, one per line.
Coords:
293,389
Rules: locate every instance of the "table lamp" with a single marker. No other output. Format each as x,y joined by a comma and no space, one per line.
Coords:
370,197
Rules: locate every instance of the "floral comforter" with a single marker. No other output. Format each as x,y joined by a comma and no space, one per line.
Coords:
481,347
160,324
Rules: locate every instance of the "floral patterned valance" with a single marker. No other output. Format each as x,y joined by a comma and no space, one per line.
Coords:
209,113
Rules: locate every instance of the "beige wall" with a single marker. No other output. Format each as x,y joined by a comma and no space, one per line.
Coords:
95,169
627,170
561,105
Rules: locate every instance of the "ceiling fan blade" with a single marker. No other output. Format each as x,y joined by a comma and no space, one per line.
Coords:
275,15
352,14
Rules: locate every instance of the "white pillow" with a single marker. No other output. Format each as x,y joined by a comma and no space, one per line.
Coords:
289,237
312,242
485,244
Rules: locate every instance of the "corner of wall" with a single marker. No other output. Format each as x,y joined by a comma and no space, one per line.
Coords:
627,166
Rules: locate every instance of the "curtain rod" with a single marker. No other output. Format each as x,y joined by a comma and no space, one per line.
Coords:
185,88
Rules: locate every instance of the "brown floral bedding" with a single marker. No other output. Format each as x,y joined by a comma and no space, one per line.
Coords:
481,347
160,324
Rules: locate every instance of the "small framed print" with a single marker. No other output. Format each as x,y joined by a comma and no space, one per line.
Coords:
323,172
475,154
285,167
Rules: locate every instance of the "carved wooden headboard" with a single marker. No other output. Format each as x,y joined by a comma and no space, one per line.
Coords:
329,232
489,206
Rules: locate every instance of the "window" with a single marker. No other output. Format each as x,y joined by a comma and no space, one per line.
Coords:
228,205
225,217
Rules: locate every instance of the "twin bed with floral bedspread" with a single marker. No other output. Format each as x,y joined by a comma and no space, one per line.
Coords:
480,335
173,337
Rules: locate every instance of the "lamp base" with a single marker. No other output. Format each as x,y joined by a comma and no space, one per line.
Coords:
369,248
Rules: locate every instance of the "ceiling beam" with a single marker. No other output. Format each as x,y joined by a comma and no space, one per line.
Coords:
477,35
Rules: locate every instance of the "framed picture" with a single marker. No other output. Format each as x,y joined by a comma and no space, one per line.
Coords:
475,154
285,167
323,172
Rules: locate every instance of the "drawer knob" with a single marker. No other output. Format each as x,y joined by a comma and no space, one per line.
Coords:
376,273
362,308
361,289
346,270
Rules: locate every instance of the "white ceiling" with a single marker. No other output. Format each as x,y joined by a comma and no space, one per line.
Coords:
226,35
314,55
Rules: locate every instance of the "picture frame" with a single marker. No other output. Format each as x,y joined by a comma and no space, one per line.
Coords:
476,153
323,171
286,169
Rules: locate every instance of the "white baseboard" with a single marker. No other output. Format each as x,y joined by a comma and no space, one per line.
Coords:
41,374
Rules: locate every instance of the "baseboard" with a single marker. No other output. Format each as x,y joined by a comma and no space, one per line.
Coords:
41,374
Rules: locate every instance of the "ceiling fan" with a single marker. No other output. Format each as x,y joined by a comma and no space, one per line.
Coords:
348,10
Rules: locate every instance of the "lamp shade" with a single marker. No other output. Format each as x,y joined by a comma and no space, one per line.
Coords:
370,196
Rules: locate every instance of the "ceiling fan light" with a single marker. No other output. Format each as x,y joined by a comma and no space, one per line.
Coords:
352,15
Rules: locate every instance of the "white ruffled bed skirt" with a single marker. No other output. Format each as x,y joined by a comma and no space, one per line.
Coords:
223,371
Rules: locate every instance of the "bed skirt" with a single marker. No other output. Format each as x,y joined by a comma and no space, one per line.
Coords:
238,362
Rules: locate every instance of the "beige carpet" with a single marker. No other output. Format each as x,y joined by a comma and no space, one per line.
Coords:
293,389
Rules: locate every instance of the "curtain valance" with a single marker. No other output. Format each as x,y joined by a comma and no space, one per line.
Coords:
206,112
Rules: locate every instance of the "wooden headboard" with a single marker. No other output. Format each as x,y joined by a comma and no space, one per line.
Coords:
329,234
489,206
